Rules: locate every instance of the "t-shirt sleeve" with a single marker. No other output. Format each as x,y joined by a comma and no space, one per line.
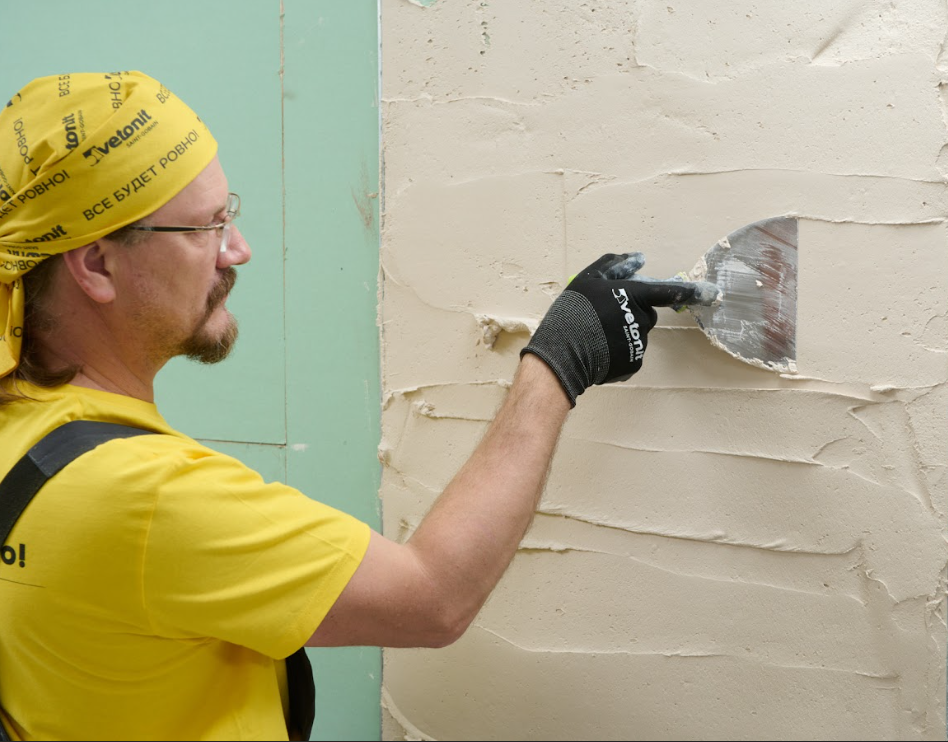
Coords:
231,557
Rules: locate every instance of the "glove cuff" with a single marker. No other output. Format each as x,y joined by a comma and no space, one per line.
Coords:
571,341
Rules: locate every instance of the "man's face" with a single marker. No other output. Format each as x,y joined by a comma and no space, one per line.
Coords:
175,285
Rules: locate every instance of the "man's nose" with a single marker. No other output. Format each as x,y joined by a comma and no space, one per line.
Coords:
237,252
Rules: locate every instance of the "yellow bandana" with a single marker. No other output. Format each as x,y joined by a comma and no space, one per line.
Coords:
80,156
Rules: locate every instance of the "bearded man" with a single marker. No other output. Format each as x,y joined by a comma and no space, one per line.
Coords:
155,588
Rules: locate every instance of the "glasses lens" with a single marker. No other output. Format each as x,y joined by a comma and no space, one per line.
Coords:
225,233
233,211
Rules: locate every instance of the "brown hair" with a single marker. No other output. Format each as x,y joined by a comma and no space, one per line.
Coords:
37,286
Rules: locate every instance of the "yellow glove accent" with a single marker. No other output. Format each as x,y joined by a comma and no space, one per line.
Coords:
684,277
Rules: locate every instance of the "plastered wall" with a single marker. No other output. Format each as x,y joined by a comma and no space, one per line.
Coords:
721,552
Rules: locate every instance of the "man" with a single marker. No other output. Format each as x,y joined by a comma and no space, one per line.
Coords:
157,585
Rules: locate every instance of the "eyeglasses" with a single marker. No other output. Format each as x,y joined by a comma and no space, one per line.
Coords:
232,211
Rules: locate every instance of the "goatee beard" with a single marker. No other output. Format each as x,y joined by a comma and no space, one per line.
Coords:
205,349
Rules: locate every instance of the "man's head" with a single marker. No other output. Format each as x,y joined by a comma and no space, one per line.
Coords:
159,294
87,163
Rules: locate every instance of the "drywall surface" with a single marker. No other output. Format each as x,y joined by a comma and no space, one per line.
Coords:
721,552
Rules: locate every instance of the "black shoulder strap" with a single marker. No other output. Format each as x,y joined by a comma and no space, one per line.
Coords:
65,444
60,447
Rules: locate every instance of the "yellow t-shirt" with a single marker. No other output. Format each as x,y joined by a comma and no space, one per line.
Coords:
154,586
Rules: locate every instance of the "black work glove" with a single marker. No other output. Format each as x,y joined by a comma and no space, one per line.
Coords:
597,329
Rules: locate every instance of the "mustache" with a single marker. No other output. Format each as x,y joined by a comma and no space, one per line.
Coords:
222,289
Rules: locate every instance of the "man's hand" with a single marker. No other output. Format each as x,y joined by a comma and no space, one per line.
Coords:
597,329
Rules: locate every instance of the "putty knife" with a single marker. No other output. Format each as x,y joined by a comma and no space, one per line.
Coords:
755,319
746,295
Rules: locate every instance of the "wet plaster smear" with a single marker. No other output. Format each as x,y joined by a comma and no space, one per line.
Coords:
721,552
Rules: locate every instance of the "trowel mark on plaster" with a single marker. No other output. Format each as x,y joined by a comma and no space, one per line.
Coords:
538,147
500,385
809,384
870,222
873,457
882,200
800,459
936,330
407,525
869,576
530,546
741,455
851,456
726,43
907,394
715,537
841,26
592,180
905,459
616,696
679,654
896,645
578,586
490,327
941,62
411,732
686,124
935,609
428,409
942,161
684,655
924,413
807,573
904,683
863,457
387,274
490,99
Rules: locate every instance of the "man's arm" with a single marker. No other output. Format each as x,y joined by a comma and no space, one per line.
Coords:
427,591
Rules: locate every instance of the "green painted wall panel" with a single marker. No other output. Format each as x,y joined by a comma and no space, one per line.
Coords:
333,391
191,48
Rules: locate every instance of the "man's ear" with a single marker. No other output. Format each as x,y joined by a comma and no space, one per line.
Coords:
88,266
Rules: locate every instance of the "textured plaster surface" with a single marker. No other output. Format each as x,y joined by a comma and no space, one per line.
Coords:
721,552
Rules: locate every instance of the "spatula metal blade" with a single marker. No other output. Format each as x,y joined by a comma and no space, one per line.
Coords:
756,269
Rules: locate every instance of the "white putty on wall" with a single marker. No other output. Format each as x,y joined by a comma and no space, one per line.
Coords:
721,552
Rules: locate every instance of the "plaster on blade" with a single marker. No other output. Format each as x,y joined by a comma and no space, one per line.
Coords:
756,318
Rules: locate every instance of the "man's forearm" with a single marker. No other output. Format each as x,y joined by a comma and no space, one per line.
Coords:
471,534
426,592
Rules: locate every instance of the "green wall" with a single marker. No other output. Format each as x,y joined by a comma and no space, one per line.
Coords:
299,398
